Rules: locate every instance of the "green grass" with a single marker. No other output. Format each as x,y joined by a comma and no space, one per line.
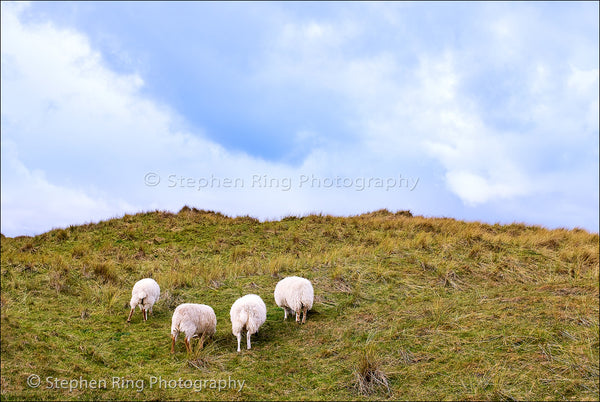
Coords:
406,308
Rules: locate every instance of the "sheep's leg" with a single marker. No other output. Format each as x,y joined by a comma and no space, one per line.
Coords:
297,316
239,337
284,314
248,338
304,311
130,314
187,345
172,343
144,314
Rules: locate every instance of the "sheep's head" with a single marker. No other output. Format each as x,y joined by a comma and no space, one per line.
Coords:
134,302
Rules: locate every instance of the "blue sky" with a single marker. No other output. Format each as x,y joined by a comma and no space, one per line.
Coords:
476,111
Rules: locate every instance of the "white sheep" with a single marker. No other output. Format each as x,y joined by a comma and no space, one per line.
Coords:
145,293
247,313
193,320
294,295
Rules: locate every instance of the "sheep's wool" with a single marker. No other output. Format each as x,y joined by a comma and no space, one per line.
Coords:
247,313
145,293
193,319
294,294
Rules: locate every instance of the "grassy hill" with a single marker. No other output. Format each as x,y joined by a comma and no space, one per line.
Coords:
405,307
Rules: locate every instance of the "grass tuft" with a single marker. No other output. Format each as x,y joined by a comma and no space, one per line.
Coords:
105,270
369,377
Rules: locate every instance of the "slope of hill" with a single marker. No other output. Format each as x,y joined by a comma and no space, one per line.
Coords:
405,308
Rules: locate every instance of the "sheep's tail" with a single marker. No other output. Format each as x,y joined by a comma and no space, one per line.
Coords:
138,298
243,317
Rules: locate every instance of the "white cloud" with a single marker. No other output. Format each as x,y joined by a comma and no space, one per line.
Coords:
81,136
30,202
475,189
78,140
584,84
429,111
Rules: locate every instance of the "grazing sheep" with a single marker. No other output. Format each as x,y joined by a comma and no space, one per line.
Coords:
294,295
144,293
193,320
249,313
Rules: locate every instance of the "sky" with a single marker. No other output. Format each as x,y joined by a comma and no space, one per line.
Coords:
479,111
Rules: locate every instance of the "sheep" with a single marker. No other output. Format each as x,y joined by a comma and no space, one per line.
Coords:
294,294
193,320
249,313
144,293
